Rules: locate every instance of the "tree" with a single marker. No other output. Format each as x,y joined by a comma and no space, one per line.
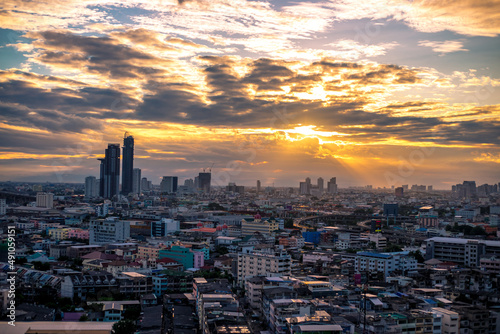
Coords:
84,318
132,312
392,248
289,223
215,206
418,256
221,250
123,327
478,230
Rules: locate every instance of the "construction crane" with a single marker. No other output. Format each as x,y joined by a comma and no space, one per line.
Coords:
209,169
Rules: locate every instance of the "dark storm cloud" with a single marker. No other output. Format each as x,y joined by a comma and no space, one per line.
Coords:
46,119
68,100
29,142
101,55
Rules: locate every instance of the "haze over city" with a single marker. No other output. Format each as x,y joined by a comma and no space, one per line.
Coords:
379,92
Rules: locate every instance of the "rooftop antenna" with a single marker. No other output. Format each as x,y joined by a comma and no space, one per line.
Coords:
210,169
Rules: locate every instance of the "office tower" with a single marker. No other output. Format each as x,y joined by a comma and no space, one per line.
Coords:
321,185
105,231
168,184
305,187
189,183
429,188
45,200
469,189
258,186
3,206
136,181
332,186
91,187
399,191
127,164
144,184
110,172
405,187
204,180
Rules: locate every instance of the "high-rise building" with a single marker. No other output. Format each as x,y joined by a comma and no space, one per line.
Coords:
399,192
321,185
3,206
332,186
127,164
91,187
189,184
168,184
136,181
258,186
145,184
110,172
305,187
45,200
469,189
204,180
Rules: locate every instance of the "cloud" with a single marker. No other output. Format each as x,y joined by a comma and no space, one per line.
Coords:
444,46
465,17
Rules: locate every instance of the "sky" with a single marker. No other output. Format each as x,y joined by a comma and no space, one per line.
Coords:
379,92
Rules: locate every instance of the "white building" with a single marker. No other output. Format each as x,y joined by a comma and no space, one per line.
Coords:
263,264
91,187
379,240
108,231
45,200
467,214
385,263
163,227
450,321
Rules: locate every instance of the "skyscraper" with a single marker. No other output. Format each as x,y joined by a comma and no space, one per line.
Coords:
110,172
321,185
144,184
258,186
136,181
469,189
332,186
204,180
127,164
168,184
91,187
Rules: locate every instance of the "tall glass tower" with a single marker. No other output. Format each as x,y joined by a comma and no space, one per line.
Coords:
128,164
110,172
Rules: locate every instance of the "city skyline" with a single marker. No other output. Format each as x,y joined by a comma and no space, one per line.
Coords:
381,93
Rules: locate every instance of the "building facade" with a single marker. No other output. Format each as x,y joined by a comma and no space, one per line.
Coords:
110,172
127,164
108,231
253,264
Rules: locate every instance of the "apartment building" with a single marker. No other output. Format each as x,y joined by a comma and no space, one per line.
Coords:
256,263
106,231
467,252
